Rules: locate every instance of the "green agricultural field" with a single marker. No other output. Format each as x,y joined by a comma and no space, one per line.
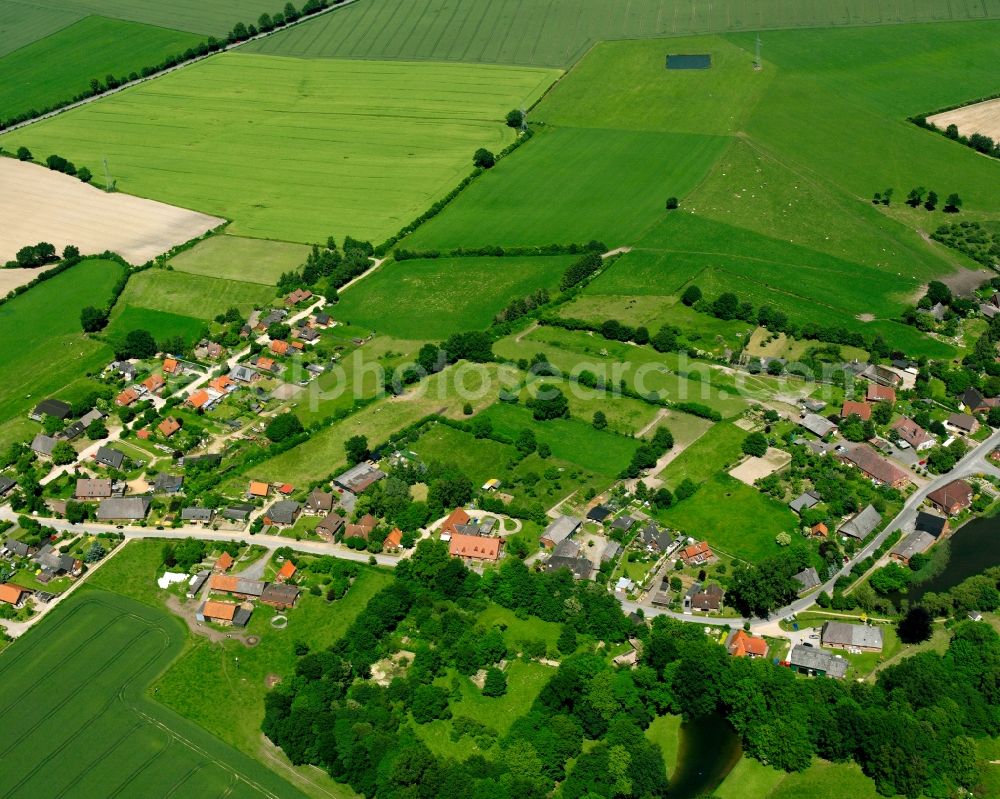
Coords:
573,185
732,516
78,720
431,299
237,258
44,351
716,449
571,440
291,149
557,32
161,324
61,66
192,295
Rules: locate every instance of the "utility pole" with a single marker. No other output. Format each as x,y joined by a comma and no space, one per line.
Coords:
757,65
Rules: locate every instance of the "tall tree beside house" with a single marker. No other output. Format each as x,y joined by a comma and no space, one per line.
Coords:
63,453
136,344
283,426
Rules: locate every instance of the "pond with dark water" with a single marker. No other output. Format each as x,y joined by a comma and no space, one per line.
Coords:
973,548
709,748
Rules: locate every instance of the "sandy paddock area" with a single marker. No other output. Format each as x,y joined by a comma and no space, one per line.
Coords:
981,117
755,468
37,204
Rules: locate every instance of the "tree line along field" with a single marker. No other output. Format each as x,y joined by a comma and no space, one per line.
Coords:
43,350
76,718
775,196
91,48
558,32
433,298
292,149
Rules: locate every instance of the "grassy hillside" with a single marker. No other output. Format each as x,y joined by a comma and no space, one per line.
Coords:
431,299
62,65
295,150
558,32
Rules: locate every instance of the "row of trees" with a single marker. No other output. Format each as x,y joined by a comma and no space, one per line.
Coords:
920,196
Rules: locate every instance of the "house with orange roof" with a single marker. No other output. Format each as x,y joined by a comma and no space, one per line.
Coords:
286,488
143,433
853,408
259,489
171,366
697,554
819,530
877,393
154,383
457,517
286,572
127,397
224,563
366,524
228,614
475,547
13,594
394,540
297,296
199,399
168,427
222,384
279,347
741,644
298,345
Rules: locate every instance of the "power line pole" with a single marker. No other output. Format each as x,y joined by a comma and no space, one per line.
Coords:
108,183
757,65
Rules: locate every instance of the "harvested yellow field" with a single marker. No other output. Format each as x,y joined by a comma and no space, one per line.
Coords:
981,117
37,204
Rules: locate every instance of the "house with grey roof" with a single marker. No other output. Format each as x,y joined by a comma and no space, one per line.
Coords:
123,509
623,523
654,539
804,501
840,635
242,374
91,416
43,445
237,513
17,548
51,407
582,568
7,485
807,579
283,512
319,501
359,477
87,488
197,582
611,551
916,543
816,663
862,524
112,458
567,548
559,530
817,425
168,483
192,514
71,432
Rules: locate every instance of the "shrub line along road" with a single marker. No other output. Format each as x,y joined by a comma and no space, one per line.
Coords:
975,462
224,49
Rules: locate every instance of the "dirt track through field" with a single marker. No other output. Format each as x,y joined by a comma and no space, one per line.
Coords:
37,204
978,118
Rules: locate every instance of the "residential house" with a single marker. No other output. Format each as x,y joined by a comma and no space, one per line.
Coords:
916,543
124,369
963,423
394,541
816,662
243,374
952,498
286,572
13,594
264,364
359,477
364,527
913,434
112,458
284,512
171,366
123,509
805,501
6,485
853,408
224,562
280,596
875,468
322,319
202,515
297,296
54,563
974,402
228,614
862,523
237,586
258,489
937,526
817,425
330,526
279,347
567,548
879,393
18,549
237,513
654,539
840,635
43,445
623,523
697,554
319,502
197,582
71,432
168,483
168,426
450,525
881,375
611,550
598,513
807,579
308,334
475,548
51,407
559,530
223,384
87,488
154,383
91,416
581,568
199,400
492,484
741,644
127,397
819,530
706,600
